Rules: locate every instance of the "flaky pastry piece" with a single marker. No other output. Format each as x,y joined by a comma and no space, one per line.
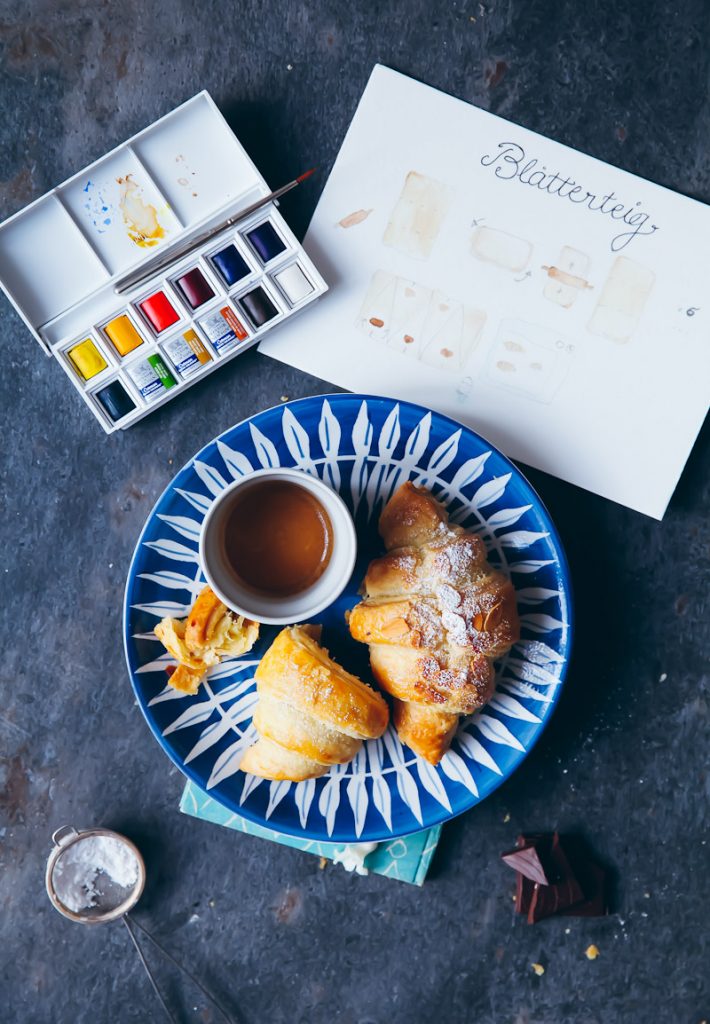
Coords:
311,713
210,633
435,616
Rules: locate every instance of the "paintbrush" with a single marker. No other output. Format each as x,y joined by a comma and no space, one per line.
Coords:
175,253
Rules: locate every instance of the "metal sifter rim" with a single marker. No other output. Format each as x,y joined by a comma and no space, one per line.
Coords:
67,836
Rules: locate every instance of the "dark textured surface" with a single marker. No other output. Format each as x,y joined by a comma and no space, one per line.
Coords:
625,758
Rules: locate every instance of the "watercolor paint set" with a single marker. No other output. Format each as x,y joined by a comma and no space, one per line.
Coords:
67,259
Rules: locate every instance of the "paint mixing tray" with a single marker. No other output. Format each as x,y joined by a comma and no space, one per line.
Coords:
63,255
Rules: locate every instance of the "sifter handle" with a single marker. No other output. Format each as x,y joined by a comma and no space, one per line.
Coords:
130,925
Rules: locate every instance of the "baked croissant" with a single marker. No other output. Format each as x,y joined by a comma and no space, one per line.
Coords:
435,616
311,713
209,633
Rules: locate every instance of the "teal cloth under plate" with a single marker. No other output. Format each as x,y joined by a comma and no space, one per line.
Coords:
406,858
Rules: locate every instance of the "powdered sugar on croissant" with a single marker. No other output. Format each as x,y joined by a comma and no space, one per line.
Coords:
435,616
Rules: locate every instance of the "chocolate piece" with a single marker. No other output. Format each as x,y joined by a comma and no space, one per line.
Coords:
592,877
595,886
526,860
525,890
556,877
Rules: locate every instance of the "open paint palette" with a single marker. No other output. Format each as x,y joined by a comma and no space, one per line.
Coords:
63,256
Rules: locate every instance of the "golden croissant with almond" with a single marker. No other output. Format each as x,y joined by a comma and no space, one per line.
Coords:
435,616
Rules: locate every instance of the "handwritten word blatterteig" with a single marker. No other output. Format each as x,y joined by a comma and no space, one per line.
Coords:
510,162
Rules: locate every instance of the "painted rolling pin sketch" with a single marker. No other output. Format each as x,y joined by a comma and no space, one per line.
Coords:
552,302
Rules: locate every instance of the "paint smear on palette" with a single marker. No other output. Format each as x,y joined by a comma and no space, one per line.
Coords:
422,323
99,208
140,218
416,219
185,173
352,219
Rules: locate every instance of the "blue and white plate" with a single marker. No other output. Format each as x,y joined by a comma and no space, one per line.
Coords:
364,448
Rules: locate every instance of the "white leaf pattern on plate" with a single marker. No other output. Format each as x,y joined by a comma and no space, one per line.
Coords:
453,765
198,501
330,801
476,751
432,783
236,462
362,434
511,707
265,449
305,791
277,791
173,580
161,609
507,517
491,491
329,434
187,528
520,538
251,782
530,565
541,623
228,761
173,550
297,442
380,790
496,731
210,477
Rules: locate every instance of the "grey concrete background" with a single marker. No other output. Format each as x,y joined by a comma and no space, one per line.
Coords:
625,759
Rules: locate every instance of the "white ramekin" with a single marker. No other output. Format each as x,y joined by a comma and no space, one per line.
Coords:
267,608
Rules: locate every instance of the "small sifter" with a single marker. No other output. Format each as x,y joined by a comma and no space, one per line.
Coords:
95,875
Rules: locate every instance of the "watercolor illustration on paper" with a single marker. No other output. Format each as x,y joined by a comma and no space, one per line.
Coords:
417,217
420,322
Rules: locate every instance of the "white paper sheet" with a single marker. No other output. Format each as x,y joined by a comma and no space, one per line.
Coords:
554,303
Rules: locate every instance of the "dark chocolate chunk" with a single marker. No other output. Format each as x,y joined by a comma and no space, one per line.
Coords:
526,860
555,876
524,892
595,891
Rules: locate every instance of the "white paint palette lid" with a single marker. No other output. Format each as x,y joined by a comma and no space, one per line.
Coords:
61,256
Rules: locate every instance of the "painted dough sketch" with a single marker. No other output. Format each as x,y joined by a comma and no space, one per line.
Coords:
415,221
420,322
498,247
622,300
529,359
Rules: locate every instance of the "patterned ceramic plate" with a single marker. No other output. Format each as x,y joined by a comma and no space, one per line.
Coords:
364,448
